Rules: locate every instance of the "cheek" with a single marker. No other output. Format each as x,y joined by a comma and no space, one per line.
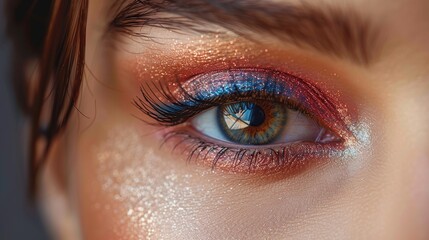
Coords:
129,188
145,194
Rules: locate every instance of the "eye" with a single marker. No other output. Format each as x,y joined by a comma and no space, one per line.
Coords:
257,123
247,120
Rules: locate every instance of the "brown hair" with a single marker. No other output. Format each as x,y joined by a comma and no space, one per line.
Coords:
52,34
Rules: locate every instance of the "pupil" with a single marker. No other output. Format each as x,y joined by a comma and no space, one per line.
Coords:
257,115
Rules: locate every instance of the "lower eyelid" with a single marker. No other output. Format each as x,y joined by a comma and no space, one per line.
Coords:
288,158
278,161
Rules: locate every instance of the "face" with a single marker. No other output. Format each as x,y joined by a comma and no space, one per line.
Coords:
227,128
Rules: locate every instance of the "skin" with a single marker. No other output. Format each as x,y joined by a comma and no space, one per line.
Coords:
108,178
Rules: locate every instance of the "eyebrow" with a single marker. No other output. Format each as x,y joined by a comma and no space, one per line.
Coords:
336,31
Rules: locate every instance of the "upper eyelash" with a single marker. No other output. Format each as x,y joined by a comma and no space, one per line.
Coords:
169,113
174,111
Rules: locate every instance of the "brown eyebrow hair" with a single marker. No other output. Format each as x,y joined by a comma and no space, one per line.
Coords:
341,32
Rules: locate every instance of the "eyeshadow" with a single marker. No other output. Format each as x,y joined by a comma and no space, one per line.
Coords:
212,67
179,60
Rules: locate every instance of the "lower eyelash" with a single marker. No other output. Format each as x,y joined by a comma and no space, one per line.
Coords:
291,157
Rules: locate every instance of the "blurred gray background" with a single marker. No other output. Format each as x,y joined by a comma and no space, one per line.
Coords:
18,218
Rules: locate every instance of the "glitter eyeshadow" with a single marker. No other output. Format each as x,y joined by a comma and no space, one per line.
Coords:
185,60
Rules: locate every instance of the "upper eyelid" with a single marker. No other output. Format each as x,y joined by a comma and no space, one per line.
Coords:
334,31
177,110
